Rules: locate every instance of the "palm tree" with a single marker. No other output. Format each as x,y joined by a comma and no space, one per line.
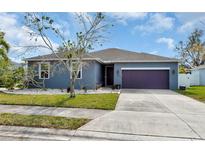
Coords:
4,48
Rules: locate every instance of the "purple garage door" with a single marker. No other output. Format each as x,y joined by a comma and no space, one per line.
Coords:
145,79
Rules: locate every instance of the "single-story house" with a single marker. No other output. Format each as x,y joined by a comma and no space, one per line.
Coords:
109,67
198,75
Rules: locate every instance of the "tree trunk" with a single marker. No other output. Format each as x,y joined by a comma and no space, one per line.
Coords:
72,89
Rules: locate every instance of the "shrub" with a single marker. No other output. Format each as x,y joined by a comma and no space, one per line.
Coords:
13,77
8,80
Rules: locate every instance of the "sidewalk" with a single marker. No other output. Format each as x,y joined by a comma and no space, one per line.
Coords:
18,133
53,111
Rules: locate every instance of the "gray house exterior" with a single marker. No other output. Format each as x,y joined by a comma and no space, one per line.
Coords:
109,67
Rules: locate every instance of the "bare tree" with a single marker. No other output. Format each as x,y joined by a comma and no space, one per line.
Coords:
30,78
192,51
72,51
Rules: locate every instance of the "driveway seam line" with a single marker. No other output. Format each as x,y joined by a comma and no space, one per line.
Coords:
178,117
142,135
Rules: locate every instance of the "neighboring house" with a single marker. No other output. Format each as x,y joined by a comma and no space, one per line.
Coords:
198,75
111,67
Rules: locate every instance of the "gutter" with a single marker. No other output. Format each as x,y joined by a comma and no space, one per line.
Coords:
138,61
56,59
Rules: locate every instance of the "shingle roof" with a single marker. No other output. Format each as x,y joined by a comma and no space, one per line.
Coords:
52,56
113,55
120,55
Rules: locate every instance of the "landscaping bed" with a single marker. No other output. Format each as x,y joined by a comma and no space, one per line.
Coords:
94,101
41,121
39,91
196,92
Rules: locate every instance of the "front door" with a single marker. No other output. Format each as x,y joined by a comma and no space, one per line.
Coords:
110,74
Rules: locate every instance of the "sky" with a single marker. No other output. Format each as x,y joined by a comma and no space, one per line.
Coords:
154,33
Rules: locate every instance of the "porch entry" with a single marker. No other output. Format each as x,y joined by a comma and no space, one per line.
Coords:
109,75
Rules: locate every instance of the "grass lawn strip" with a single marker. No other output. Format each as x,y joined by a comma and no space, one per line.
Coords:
92,101
196,92
41,121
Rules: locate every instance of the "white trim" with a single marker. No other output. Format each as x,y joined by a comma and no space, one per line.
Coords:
56,59
139,61
101,61
39,59
39,70
81,74
146,68
26,70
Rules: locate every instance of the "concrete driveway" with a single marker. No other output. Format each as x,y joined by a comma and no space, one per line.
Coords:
150,115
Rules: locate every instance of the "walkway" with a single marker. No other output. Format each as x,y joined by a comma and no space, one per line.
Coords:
53,111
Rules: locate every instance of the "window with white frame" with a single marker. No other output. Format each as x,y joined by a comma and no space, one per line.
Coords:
74,67
44,70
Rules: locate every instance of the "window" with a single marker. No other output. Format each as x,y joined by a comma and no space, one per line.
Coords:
74,68
44,71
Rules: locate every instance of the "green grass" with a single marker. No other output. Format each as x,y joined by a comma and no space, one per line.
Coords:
196,92
89,101
41,121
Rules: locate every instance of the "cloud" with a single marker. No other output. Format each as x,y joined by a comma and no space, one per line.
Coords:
168,41
157,22
186,27
123,17
154,52
190,21
17,35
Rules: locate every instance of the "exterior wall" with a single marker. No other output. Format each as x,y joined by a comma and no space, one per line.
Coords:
92,74
173,77
99,74
60,77
202,77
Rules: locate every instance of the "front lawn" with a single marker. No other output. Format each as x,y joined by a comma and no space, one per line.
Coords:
89,101
196,92
41,121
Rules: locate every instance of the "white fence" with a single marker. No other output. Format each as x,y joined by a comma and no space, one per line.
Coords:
184,80
195,78
189,79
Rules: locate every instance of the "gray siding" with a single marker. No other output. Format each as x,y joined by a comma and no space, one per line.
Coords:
202,77
173,78
99,74
60,78
93,75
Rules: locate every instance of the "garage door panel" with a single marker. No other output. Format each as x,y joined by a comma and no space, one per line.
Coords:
145,79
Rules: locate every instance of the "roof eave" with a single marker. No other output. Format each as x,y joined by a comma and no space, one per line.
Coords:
107,62
144,61
56,59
